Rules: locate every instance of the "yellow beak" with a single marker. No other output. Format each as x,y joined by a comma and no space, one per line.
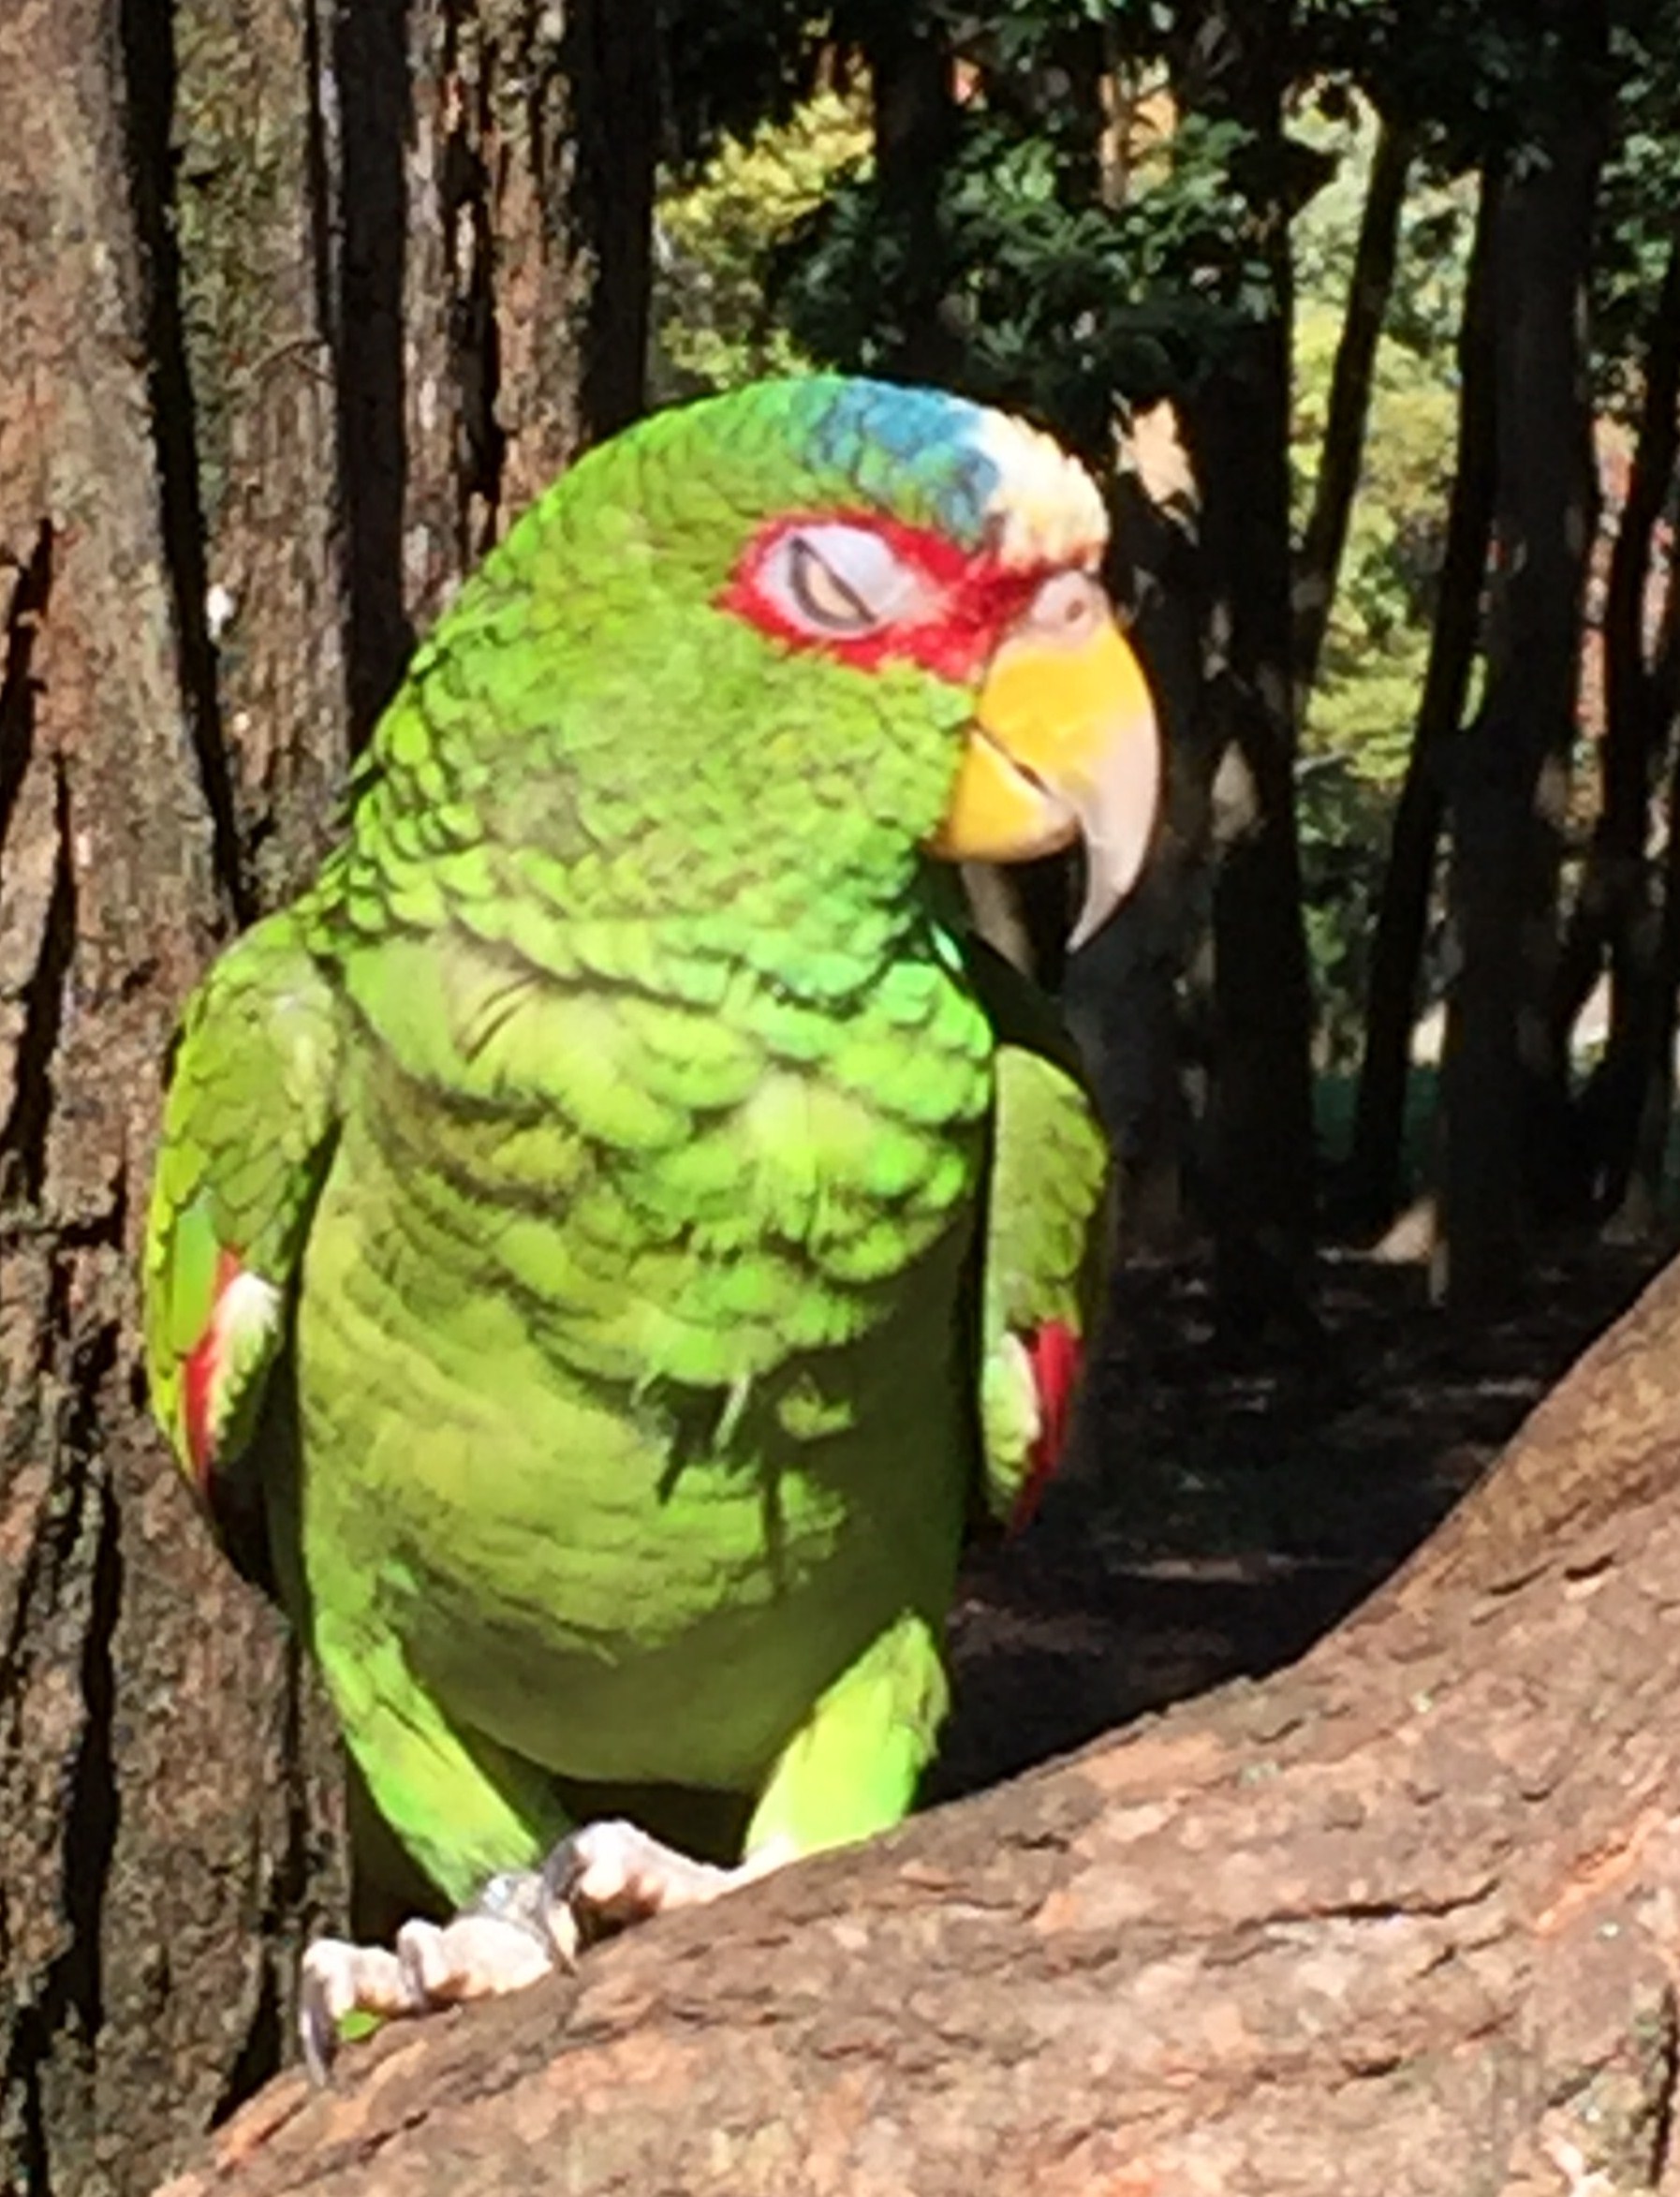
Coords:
1063,744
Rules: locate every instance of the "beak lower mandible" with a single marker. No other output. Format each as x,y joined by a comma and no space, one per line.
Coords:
1063,744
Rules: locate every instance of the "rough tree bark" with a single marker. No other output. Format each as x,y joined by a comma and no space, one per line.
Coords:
1404,1918
302,302
161,1766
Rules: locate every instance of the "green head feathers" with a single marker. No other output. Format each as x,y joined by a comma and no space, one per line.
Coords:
731,658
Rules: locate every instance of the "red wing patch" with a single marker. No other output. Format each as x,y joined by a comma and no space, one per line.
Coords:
198,1372
1056,1353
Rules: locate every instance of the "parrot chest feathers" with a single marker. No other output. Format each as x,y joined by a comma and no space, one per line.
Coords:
668,1193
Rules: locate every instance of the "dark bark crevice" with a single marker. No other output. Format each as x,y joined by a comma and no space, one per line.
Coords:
149,86
371,81
75,1557
92,1813
32,592
474,336
24,1129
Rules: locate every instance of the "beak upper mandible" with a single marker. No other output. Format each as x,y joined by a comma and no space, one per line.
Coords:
1063,743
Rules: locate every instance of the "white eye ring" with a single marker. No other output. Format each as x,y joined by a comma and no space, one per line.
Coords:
1069,606
839,583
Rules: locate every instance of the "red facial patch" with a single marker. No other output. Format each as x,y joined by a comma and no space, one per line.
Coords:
198,1376
970,598
1055,1354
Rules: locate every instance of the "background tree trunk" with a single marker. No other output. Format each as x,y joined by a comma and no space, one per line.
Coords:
1375,1170
1342,450
301,303
1617,907
1502,1087
166,1821
913,119
1403,1918
1237,428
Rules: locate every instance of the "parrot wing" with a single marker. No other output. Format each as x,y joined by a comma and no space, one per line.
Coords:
248,1130
1045,1237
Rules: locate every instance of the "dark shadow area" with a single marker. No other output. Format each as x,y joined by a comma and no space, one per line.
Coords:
1216,1520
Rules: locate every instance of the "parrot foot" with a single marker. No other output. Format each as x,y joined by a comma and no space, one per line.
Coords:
523,1923
609,1873
498,1944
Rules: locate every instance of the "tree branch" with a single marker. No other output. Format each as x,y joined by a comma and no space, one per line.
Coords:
1405,1918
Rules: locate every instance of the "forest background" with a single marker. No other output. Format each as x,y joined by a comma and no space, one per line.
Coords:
1366,314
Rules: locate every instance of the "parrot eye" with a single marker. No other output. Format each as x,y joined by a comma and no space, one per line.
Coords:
822,596
840,582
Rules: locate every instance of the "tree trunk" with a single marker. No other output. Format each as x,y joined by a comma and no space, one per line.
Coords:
248,441
914,121
1376,1163
1342,451
166,1833
1237,422
1502,1090
1401,1919
1641,1197
1121,993
1615,908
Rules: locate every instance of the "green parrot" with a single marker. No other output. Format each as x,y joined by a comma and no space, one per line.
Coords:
614,1229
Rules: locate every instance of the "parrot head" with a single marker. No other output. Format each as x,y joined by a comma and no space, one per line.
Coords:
959,541
868,618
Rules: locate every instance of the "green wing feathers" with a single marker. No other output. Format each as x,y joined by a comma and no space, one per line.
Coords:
1045,1237
247,1131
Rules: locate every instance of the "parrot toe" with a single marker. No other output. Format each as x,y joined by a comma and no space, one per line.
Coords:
474,1957
611,1873
338,1980
496,1945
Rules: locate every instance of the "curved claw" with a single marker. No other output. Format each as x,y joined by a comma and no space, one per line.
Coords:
338,1978
557,1915
317,2029
609,1873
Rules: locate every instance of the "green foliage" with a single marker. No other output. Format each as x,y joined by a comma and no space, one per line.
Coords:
1058,304
713,329
1635,218
1377,639
783,252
